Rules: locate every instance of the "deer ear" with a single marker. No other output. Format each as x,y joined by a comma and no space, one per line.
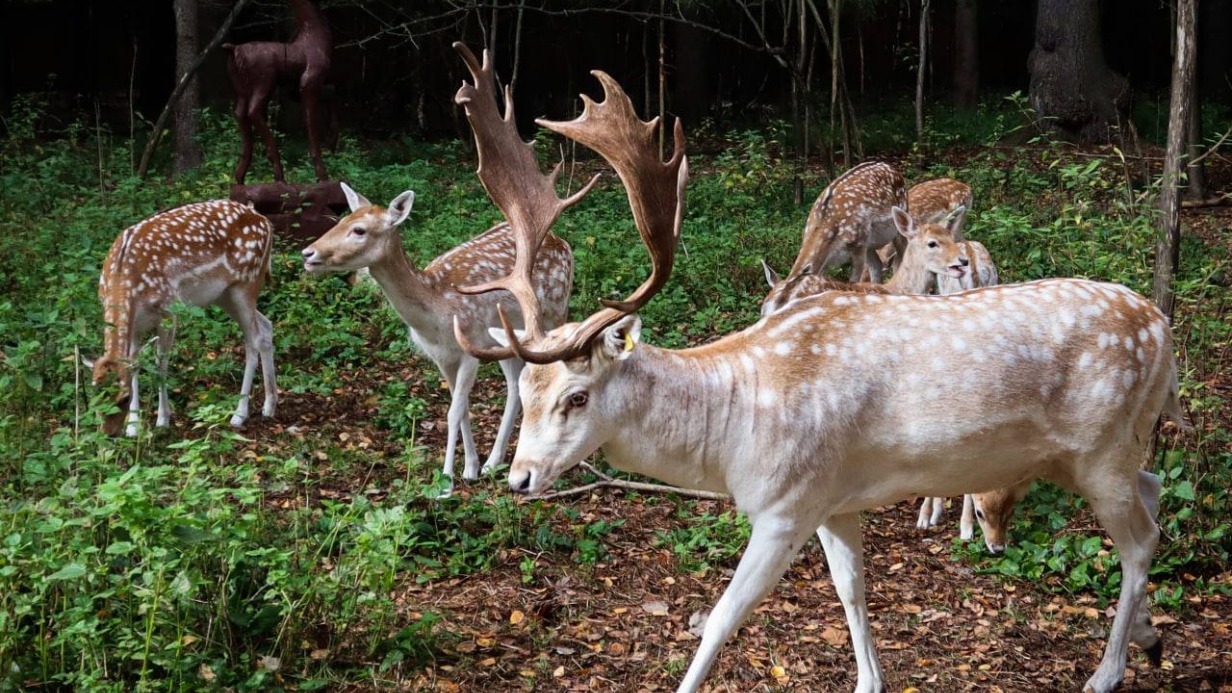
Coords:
502,338
772,277
400,208
620,339
354,200
902,221
87,362
955,218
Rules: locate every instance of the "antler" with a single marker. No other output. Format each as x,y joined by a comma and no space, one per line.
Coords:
656,197
527,198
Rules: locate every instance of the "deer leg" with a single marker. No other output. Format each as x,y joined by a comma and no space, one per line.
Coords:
256,114
774,542
166,338
926,513
512,368
873,261
243,310
459,415
265,347
309,92
966,526
134,407
1126,517
245,127
844,546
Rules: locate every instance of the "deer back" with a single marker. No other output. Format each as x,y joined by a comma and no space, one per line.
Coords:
840,220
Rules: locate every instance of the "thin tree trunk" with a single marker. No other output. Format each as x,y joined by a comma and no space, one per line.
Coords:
1167,251
187,150
1196,187
966,54
662,78
517,47
919,77
144,167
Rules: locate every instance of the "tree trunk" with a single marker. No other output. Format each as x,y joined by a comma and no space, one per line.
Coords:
966,54
1168,250
187,150
1072,88
919,77
1196,187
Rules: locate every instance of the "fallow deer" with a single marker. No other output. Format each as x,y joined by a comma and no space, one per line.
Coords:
933,202
428,300
850,220
805,424
202,254
929,251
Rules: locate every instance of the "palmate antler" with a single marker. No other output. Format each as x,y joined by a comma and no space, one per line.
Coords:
510,173
656,197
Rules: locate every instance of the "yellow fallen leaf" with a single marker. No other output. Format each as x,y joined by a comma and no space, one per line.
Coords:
516,617
558,672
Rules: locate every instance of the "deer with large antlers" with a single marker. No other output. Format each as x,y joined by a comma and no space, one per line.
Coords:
428,300
202,254
805,427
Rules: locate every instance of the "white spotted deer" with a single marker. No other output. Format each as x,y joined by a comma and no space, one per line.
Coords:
934,201
805,427
427,300
202,254
850,220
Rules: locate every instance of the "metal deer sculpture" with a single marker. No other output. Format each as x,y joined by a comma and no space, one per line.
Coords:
256,67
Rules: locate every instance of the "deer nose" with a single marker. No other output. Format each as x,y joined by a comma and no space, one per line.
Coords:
308,253
519,481
964,261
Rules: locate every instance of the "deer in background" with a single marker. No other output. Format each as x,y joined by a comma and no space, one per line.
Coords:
850,220
428,300
805,426
202,254
929,251
933,202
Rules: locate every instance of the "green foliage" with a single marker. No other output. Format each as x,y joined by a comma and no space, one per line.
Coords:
210,560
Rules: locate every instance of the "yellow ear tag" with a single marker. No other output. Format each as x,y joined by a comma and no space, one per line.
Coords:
628,342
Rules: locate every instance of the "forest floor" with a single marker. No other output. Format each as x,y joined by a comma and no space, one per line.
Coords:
623,624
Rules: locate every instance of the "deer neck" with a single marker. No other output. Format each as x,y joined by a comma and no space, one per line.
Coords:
696,423
911,277
412,294
309,21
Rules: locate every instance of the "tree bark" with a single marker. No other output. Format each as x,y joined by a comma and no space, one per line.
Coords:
1072,88
187,150
919,77
1196,187
1168,249
966,54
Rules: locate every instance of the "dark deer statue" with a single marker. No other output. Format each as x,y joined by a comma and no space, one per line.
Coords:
255,68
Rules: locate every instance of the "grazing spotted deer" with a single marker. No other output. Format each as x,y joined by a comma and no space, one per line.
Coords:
930,251
428,300
805,425
937,201
202,254
850,220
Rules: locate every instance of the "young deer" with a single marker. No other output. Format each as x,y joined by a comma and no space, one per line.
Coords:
850,220
805,425
933,202
937,201
202,254
428,300
929,251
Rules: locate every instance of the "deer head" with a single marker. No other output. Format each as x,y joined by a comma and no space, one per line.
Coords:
361,238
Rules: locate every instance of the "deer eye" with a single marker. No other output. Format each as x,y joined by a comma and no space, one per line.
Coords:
359,231
932,244
979,514
577,400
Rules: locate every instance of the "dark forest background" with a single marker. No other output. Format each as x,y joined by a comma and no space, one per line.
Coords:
395,72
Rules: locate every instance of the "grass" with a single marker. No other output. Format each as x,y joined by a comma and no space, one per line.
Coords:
204,557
